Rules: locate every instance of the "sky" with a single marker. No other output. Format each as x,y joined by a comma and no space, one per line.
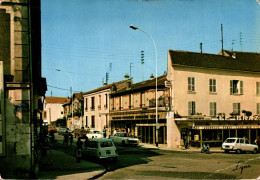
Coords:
85,39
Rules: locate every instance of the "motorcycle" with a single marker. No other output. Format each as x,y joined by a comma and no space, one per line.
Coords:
205,149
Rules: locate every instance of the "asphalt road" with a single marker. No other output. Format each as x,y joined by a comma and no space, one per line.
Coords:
143,163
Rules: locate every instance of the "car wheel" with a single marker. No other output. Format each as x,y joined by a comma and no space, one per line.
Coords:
254,151
114,159
226,151
238,151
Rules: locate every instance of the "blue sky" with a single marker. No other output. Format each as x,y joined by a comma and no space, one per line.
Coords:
82,37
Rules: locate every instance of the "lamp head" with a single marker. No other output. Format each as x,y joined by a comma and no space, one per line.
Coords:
133,27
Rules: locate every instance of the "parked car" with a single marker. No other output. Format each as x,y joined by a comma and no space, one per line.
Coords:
50,128
93,134
239,145
124,138
100,149
80,132
62,130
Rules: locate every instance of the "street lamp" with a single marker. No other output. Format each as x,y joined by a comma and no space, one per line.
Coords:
71,91
156,114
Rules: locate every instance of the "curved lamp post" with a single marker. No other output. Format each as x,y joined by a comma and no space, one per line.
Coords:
156,107
71,91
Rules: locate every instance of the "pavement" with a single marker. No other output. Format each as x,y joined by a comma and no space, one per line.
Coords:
60,165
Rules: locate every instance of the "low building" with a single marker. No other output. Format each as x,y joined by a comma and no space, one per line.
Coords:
53,109
132,109
213,97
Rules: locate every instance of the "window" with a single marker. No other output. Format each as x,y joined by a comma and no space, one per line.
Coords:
241,141
86,104
86,121
191,84
105,106
92,103
258,88
236,87
191,108
236,108
212,85
99,102
93,121
257,108
213,109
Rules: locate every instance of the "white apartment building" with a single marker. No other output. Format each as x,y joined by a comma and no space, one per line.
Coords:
53,109
96,105
210,95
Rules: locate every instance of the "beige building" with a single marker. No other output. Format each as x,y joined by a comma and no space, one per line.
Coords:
22,88
213,97
96,105
132,109
53,109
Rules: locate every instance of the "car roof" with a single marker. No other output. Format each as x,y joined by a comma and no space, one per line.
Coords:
100,140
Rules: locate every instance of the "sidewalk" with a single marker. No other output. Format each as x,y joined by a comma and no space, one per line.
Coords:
190,149
59,165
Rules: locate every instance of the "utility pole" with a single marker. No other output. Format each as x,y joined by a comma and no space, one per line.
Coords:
222,49
241,40
142,62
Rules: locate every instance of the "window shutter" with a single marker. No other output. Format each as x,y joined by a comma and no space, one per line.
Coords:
193,84
241,87
257,88
189,84
231,87
189,107
193,107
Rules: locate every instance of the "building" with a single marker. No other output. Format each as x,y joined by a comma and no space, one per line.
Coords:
78,106
22,87
213,97
132,109
96,105
53,109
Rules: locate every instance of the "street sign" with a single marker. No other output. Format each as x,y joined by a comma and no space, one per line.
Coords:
168,84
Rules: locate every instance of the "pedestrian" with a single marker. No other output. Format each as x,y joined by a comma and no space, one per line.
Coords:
71,139
78,150
88,129
66,138
257,142
104,132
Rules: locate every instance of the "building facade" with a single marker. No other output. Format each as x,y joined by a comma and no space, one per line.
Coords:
132,109
96,105
53,109
22,87
213,97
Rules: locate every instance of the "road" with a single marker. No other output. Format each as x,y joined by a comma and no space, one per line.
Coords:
153,163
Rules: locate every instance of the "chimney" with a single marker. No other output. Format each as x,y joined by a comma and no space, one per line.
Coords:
151,77
126,76
129,83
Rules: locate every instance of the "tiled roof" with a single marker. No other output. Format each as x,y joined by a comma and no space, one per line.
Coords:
148,84
106,87
231,60
56,100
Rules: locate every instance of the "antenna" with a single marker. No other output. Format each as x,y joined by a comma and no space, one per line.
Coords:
200,47
142,62
233,42
240,40
131,69
222,49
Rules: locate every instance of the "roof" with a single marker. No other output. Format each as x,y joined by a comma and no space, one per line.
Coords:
106,87
56,100
232,60
148,84
78,95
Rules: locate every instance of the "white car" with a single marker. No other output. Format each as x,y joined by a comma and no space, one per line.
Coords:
63,130
239,145
123,138
93,134
100,149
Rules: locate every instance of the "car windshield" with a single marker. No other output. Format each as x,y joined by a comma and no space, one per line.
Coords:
106,144
230,141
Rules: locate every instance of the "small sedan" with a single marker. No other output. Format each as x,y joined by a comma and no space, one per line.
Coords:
123,138
100,149
93,134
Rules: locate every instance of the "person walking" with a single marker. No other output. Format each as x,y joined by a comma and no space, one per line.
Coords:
79,150
66,138
71,139
104,132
